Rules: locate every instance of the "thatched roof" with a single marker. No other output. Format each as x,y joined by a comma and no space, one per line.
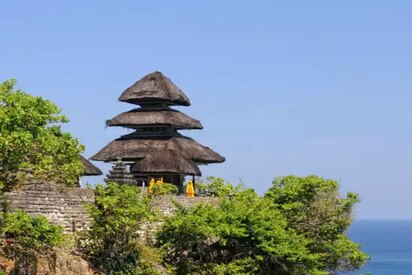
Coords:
155,118
165,161
155,88
134,147
89,168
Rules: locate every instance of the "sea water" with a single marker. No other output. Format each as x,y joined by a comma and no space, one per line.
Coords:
387,242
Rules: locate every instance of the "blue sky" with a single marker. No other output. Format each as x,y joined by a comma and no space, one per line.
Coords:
281,87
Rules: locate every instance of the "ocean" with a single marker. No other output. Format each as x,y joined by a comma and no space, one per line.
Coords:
387,242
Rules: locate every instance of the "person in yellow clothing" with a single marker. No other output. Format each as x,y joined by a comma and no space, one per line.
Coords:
190,190
151,185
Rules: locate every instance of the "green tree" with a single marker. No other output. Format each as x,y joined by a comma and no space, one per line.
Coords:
244,234
214,186
312,207
112,241
26,238
30,232
32,142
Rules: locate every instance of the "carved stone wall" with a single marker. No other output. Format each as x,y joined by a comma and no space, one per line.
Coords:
61,205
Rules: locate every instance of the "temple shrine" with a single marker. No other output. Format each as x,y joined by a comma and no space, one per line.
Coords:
155,149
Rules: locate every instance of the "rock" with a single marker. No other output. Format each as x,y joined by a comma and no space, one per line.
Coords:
58,262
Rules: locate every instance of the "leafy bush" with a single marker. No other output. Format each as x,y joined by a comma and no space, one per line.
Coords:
163,189
313,208
217,187
242,235
26,238
32,142
31,232
297,228
112,239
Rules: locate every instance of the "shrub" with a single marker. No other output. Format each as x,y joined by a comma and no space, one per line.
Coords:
217,187
241,235
313,207
31,232
163,189
298,227
112,240
26,238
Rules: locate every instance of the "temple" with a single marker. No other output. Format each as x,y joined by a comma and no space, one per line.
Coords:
156,148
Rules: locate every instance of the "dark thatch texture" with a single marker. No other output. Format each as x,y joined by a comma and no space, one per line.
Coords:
154,88
154,118
132,147
165,162
89,168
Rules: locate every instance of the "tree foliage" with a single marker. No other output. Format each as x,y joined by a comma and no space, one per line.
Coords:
112,239
249,234
29,232
242,235
32,142
313,208
163,188
214,186
26,239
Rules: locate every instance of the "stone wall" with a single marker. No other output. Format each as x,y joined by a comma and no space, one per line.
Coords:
66,206
61,205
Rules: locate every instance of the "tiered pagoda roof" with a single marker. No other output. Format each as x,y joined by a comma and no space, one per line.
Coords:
155,88
155,147
164,162
163,117
137,146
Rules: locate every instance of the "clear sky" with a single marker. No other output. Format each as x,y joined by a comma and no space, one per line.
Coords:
281,87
